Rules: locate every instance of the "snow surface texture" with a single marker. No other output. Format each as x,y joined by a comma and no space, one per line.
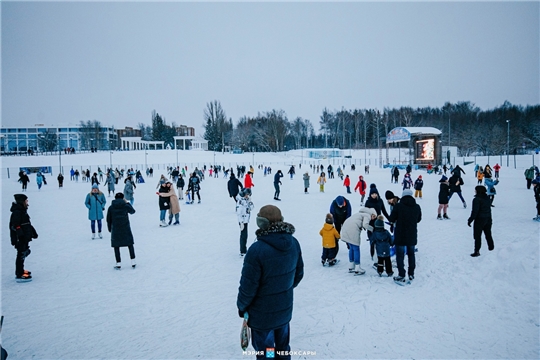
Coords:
180,301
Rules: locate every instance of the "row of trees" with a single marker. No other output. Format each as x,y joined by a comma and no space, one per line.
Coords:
462,124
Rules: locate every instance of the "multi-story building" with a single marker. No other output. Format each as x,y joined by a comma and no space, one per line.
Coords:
43,138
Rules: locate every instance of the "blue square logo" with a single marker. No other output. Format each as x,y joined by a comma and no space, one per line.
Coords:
270,353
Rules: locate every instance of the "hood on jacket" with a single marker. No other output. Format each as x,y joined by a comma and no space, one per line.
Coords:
277,235
118,203
408,201
17,207
367,211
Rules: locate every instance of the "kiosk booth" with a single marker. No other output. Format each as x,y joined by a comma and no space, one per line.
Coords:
424,141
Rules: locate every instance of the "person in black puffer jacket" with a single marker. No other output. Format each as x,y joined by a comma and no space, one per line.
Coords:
455,183
444,193
21,233
481,215
273,267
234,186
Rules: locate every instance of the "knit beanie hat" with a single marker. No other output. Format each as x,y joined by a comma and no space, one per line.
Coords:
119,196
443,179
373,189
480,189
20,198
379,223
389,195
340,201
407,192
95,186
267,215
329,219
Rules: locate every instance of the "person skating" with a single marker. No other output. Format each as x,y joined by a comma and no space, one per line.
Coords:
180,183
273,267
347,184
174,209
455,183
120,229
321,181
350,233
110,182
529,176
382,240
164,203
496,167
407,182
244,205
234,186
444,193
291,171
248,181
21,233
277,181
129,190
481,216
536,189
418,185
95,203
39,180
361,186
306,182
24,180
330,237
405,216
60,179
194,185
94,179
491,192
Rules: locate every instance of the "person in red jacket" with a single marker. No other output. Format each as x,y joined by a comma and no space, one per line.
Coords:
361,187
347,184
248,183
497,167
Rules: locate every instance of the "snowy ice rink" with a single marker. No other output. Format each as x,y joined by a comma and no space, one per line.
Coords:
180,301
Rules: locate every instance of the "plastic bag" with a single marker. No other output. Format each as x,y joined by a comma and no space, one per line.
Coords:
245,333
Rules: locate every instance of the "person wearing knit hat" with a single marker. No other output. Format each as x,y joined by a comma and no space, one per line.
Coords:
444,193
330,237
455,183
374,201
382,240
21,233
273,267
406,192
405,216
341,210
95,203
418,185
407,182
351,234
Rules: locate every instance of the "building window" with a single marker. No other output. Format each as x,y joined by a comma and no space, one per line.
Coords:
21,130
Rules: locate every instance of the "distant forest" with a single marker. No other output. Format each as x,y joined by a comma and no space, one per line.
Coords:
472,130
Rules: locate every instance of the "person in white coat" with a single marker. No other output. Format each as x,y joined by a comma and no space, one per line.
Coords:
350,233
244,205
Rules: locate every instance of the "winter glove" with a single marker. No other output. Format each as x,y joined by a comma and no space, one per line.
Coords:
241,226
241,313
469,223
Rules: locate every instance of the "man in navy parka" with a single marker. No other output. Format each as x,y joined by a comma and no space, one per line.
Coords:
273,267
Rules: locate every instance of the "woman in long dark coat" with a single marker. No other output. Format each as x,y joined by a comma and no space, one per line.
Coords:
118,226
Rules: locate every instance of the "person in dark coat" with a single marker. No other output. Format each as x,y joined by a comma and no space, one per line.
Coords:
24,180
273,267
164,203
455,183
444,193
277,176
382,240
180,183
374,201
118,226
60,180
396,174
234,186
94,178
21,233
406,214
458,171
341,210
481,215
194,185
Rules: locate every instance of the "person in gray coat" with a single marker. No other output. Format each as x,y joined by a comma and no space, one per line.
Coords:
129,190
111,180
120,229
306,182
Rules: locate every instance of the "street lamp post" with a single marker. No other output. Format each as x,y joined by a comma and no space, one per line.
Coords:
508,144
110,154
146,156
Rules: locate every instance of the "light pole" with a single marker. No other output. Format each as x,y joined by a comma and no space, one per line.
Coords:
110,154
508,144
145,156
176,147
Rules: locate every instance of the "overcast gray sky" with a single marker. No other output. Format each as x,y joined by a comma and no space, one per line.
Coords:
64,62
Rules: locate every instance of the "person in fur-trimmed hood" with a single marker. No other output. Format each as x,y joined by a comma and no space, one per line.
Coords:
350,233
273,267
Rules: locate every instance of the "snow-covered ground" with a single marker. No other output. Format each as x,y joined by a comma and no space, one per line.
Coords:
180,301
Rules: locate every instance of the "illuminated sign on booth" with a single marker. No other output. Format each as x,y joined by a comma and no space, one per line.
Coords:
425,149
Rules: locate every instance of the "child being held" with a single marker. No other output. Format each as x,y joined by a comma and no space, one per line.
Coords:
330,237
383,241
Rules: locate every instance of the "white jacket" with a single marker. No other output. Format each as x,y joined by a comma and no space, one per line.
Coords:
353,226
243,209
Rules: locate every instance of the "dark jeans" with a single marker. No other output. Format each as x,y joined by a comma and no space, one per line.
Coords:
117,253
400,259
243,239
193,192
276,194
93,225
329,253
384,262
529,182
276,339
482,225
459,194
23,250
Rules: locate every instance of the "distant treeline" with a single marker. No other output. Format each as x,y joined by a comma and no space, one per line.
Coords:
472,130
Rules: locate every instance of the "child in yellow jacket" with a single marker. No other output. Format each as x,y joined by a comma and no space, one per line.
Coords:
330,237
321,180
